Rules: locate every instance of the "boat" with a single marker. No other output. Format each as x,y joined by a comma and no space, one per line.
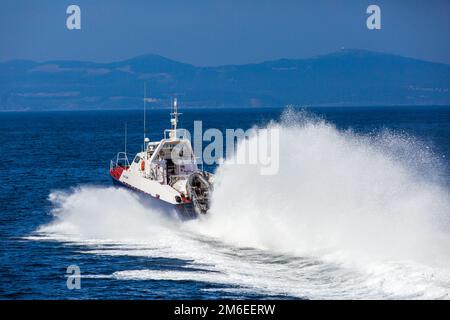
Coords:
166,173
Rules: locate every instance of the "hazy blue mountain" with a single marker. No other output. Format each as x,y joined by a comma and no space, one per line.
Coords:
346,77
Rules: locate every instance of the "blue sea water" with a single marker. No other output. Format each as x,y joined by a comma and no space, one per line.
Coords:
55,166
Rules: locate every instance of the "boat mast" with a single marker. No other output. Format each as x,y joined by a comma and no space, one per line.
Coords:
126,137
145,98
174,120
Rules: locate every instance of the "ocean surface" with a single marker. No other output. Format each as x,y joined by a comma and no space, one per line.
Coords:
360,209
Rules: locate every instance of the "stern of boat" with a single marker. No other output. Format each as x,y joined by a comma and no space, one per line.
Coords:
118,165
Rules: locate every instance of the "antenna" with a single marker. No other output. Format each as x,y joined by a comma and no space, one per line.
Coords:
175,109
174,119
126,137
174,114
145,105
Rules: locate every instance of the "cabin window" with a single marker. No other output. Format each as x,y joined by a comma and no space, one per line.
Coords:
137,159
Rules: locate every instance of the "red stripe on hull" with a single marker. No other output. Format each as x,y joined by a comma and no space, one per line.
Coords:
116,172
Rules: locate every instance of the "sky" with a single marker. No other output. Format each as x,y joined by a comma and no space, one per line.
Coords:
213,32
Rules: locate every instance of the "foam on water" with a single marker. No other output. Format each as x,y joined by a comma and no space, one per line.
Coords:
347,216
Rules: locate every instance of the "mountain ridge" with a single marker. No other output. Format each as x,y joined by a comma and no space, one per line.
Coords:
344,77
155,55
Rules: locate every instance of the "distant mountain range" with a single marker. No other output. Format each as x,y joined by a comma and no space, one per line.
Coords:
343,78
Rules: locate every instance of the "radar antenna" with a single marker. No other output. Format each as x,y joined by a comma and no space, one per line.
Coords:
175,115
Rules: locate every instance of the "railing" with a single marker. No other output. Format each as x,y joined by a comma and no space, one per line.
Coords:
121,159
